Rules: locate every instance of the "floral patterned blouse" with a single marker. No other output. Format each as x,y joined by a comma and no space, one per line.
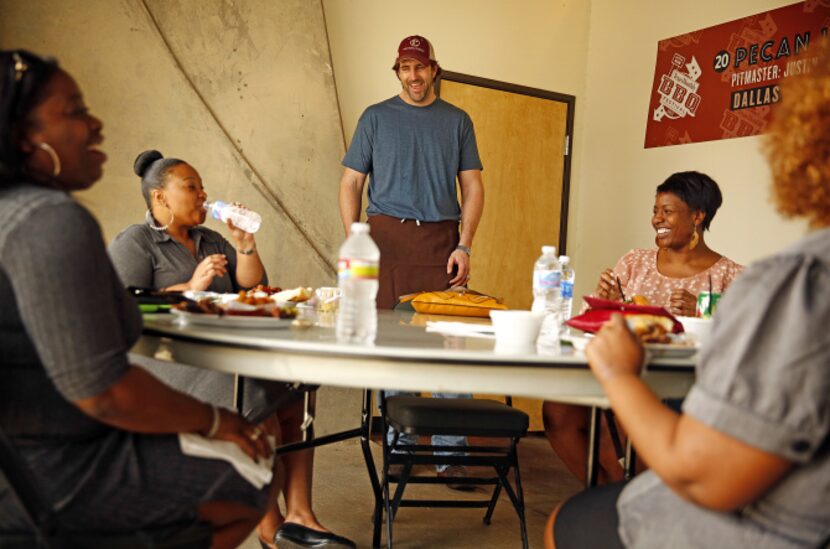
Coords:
638,275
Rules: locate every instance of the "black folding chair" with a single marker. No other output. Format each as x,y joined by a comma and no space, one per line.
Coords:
44,529
442,416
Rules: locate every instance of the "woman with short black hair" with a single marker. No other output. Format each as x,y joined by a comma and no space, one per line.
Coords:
670,276
682,265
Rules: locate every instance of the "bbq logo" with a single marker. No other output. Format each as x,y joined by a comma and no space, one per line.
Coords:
678,90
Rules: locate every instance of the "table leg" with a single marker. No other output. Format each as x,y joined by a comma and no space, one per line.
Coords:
238,394
630,461
365,444
593,448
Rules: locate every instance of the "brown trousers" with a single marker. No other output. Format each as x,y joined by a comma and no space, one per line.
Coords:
413,257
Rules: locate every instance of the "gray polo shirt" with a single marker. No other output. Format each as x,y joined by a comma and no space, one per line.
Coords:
66,324
152,259
413,156
65,321
763,379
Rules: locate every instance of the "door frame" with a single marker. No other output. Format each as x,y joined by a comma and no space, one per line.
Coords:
569,100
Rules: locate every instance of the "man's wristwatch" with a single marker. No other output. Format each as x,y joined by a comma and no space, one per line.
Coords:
464,249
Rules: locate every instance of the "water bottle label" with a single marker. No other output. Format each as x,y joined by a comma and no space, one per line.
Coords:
357,268
547,280
567,289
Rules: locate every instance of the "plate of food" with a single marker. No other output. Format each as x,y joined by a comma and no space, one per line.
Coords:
681,348
232,321
293,296
676,348
655,333
243,310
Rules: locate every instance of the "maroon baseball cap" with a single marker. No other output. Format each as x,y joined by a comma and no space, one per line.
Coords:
416,47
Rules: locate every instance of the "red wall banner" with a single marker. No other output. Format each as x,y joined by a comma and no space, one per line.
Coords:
720,82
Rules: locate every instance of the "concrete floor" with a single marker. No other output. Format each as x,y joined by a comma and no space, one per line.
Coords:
343,502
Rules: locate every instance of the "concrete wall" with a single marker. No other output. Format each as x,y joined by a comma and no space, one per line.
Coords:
242,90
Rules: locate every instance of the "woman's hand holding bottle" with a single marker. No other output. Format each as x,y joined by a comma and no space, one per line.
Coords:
243,241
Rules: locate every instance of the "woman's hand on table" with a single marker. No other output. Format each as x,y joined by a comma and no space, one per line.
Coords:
210,267
682,303
250,438
607,286
615,351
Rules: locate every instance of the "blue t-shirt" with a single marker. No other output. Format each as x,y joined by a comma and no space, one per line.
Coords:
414,155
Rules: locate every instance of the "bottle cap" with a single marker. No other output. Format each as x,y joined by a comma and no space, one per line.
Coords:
564,259
360,227
548,249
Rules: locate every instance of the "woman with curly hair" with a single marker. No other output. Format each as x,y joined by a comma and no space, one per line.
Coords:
747,462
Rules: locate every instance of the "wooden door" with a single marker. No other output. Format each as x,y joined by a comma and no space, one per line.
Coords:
523,139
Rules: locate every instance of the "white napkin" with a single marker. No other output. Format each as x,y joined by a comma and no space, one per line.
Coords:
258,474
465,329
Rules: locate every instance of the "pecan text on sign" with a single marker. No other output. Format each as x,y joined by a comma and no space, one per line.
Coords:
720,82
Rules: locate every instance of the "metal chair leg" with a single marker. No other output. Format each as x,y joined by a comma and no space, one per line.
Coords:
399,489
519,493
518,504
492,507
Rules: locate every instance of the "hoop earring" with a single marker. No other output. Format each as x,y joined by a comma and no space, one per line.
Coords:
695,240
56,161
151,222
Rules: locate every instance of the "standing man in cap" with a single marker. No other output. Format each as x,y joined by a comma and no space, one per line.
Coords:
415,146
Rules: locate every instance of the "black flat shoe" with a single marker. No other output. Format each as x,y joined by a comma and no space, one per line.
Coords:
296,536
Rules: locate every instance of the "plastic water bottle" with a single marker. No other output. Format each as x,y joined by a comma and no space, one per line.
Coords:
357,277
242,218
547,292
568,279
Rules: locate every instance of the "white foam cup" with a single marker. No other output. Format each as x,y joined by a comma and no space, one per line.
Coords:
516,328
700,329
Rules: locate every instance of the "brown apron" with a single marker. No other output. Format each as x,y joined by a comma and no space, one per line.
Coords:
413,256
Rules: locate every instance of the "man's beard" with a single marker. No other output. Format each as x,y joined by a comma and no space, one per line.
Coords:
425,89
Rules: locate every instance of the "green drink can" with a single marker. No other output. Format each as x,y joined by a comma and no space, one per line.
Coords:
706,304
